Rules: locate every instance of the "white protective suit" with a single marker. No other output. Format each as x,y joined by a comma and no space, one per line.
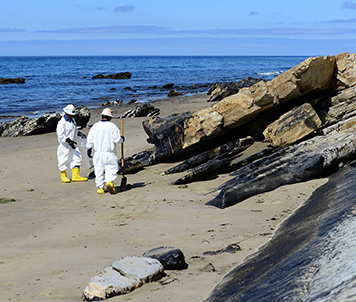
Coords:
67,156
103,137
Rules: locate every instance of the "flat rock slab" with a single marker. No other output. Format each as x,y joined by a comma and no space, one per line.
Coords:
122,277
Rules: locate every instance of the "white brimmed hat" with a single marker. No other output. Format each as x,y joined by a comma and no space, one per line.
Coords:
69,109
107,112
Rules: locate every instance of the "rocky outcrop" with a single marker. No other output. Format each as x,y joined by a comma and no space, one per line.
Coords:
122,277
173,93
120,76
304,161
306,114
218,159
142,110
314,75
232,148
219,91
82,116
12,81
292,126
47,123
302,261
345,70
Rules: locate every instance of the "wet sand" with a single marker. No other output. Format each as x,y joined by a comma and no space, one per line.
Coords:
57,236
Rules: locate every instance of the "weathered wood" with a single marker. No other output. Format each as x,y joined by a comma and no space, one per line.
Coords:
292,164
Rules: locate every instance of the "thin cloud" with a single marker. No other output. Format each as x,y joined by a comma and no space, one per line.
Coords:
11,30
157,30
125,29
101,8
348,5
124,9
342,21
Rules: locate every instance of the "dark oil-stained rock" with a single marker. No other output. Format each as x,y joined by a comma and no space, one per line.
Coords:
219,91
12,81
290,265
237,146
142,110
302,162
40,125
215,164
120,75
218,163
170,257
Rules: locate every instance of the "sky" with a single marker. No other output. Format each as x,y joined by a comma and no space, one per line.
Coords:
184,27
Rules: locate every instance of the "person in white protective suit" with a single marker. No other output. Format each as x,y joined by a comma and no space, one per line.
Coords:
68,153
102,140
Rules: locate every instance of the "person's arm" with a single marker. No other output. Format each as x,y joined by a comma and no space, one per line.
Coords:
61,132
117,135
90,138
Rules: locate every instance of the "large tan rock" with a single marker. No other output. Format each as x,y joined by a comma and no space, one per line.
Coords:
292,126
346,70
240,108
315,73
236,109
342,106
204,123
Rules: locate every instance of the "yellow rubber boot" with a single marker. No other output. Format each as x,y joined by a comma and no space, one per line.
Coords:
64,177
76,176
100,191
110,187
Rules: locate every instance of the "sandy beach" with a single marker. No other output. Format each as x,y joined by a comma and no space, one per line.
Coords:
57,236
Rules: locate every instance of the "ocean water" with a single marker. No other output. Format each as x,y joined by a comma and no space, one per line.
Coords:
53,82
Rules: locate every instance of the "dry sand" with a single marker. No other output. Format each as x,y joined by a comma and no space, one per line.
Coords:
56,236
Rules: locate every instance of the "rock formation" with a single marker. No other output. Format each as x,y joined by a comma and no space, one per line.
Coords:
12,81
307,114
311,76
142,110
219,91
302,261
43,124
121,75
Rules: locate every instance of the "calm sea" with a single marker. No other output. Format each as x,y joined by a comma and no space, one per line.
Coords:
53,82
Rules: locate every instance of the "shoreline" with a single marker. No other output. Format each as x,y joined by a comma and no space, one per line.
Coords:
55,236
4,119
